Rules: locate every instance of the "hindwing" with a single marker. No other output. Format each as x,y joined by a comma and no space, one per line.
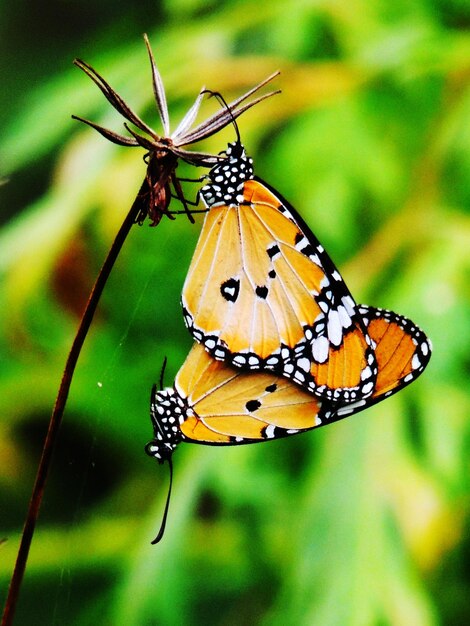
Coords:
214,403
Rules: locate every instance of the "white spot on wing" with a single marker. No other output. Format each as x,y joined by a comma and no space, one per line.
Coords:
349,305
351,408
269,431
335,333
344,316
320,348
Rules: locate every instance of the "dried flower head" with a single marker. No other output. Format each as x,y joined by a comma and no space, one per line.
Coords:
163,151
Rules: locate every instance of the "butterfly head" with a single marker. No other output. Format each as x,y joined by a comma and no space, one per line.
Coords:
228,177
167,410
236,151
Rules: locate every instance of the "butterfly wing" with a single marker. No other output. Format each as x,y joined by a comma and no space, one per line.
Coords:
402,350
246,407
261,293
227,405
213,403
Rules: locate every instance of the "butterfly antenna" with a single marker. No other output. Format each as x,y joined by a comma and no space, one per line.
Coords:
223,102
167,505
162,373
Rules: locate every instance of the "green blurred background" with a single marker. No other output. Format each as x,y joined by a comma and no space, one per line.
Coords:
361,523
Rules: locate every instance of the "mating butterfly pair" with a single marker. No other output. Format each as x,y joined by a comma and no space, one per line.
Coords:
282,346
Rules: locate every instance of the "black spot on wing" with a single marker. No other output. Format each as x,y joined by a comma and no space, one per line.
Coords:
262,292
230,289
272,274
273,251
308,250
252,405
271,388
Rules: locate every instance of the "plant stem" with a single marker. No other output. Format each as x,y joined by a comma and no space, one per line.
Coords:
58,411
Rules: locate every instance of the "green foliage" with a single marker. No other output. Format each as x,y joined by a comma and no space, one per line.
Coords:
361,523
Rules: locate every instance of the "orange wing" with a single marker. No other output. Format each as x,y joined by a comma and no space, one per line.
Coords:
402,351
245,406
216,404
261,293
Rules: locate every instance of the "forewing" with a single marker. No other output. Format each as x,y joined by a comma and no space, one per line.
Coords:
243,407
258,295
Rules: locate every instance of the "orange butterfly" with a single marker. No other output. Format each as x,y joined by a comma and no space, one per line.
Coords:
213,403
262,294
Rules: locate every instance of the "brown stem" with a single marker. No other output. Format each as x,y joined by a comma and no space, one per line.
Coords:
58,411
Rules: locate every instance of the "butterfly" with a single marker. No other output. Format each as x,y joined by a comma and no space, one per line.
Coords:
261,293
214,403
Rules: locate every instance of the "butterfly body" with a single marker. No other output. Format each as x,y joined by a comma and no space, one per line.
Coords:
214,403
262,294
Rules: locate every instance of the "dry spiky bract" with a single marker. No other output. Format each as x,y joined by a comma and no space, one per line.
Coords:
163,151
